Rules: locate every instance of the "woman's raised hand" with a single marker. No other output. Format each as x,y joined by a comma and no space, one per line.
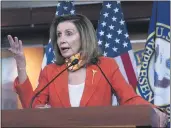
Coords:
17,50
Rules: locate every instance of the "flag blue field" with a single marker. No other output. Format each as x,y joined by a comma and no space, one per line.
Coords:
154,77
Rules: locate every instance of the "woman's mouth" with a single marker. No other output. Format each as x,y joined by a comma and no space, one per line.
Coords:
65,49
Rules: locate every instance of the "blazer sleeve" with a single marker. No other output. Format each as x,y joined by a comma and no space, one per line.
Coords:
25,91
124,91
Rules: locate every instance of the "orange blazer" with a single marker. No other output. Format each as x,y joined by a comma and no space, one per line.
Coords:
97,91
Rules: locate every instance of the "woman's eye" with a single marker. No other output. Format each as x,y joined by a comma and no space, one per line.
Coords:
58,34
68,33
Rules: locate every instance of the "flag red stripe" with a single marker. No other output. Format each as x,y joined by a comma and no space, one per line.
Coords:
129,69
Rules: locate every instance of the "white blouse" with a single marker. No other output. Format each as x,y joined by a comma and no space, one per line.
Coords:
75,94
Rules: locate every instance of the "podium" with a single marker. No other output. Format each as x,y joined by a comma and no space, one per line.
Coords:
82,117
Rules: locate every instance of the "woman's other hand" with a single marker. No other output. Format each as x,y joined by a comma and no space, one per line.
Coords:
163,118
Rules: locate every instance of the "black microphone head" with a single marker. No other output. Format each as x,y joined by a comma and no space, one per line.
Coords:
74,62
94,60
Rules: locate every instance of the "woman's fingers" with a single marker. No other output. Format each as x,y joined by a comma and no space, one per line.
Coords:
11,41
16,43
12,50
20,46
163,118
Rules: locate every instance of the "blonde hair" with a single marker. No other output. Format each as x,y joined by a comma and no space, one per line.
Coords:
89,47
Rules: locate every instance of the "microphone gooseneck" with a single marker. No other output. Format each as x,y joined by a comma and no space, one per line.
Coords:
95,61
74,62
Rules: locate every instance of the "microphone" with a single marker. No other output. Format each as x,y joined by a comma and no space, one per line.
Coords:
74,62
95,61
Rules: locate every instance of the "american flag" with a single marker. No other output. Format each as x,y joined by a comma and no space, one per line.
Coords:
114,42
63,7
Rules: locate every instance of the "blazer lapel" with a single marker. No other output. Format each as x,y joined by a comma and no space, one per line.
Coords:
93,75
61,86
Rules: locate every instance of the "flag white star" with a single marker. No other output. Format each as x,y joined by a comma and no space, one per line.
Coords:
50,49
125,44
114,18
119,31
58,4
105,53
109,36
72,11
117,40
99,42
122,22
116,10
126,35
65,8
111,27
106,14
53,60
106,45
104,24
56,12
101,33
115,49
108,5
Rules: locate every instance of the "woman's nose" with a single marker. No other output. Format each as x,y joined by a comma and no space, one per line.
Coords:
62,40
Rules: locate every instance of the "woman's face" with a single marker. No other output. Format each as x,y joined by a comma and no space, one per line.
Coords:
68,39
